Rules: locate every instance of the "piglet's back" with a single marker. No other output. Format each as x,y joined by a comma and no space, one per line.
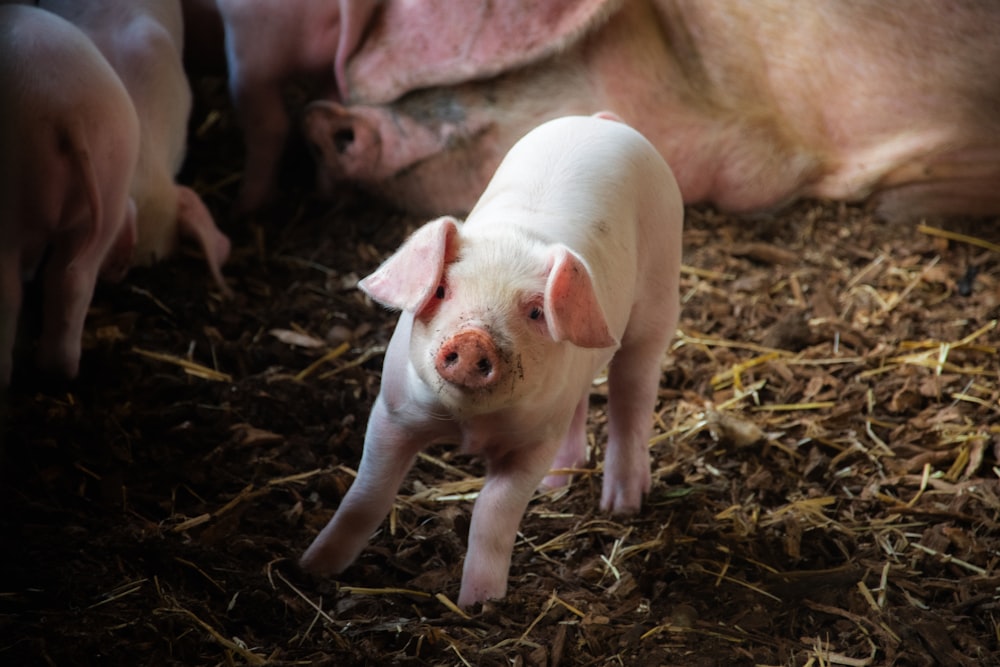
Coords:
558,170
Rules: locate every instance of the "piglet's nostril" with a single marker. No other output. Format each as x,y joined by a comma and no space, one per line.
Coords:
451,358
485,366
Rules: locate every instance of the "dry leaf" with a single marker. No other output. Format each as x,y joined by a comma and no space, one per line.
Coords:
297,339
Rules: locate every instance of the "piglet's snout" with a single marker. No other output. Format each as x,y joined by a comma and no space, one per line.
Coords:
469,359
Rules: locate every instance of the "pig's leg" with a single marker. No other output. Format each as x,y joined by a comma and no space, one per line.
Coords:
195,220
961,182
389,452
573,452
256,66
69,280
116,263
10,307
104,223
265,125
510,483
633,381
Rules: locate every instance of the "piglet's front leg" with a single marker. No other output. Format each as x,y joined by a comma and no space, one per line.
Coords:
511,480
389,452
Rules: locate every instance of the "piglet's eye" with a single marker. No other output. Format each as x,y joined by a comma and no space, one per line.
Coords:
535,313
440,292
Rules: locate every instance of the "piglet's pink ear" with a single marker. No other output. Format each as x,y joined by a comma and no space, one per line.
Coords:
571,307
409,278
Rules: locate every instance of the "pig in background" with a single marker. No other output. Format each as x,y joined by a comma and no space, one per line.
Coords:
570,259
143,41
69,144
753,104
266,43
140,44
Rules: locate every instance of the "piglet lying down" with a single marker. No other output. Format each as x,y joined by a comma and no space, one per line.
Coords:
570,260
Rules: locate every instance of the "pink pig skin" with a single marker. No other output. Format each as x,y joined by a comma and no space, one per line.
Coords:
69,141
268,42
143,41
570,260
753,104
407,44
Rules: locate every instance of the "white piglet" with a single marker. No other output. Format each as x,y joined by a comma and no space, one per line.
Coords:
69,145
570,260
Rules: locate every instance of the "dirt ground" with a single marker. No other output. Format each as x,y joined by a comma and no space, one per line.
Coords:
826,477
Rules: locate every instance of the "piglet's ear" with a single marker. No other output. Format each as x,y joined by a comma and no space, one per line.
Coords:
571,307
409,278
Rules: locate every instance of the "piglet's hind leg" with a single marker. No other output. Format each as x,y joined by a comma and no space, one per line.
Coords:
633,381
573,452
69,282
195,220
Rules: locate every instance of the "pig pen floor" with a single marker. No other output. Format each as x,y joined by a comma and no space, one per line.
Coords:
825,464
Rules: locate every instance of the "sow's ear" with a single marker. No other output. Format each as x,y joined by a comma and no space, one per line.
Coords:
409,278
571,307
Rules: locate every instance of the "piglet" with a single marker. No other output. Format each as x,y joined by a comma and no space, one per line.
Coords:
143,42
268,42
570,260
69,143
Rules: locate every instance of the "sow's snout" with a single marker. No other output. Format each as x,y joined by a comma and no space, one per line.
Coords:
470,360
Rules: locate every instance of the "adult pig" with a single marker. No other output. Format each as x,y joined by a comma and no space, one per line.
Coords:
143,42
570,259
269,42
753,104
69,141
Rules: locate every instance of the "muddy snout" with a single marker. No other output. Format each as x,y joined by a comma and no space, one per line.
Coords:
469,359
